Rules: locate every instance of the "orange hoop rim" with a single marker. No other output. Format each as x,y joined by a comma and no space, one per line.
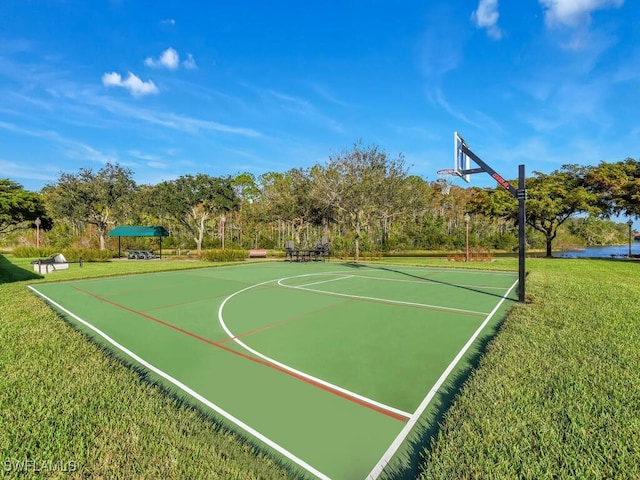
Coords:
447,172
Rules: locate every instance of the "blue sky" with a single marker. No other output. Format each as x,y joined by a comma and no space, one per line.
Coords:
169,88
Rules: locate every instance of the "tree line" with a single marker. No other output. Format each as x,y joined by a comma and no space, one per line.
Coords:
363,199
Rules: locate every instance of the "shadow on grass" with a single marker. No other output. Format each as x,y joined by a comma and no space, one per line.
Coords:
12,273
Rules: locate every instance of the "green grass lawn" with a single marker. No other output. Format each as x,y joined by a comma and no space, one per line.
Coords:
555,395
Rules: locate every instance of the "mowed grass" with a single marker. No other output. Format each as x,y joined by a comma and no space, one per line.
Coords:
557,394
554,396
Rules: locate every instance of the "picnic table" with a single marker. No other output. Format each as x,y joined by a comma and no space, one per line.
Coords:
141,254
319,252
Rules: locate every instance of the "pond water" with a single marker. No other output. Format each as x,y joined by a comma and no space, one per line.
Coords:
612,251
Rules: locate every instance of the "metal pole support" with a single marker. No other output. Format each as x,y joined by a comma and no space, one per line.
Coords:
522,195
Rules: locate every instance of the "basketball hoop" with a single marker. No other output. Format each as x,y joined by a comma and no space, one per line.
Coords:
444,180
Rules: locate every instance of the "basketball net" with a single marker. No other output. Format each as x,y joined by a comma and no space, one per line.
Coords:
444,180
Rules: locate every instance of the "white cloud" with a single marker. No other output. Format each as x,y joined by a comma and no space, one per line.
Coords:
168,59
136,87
573,13
168,21
190,62
486,16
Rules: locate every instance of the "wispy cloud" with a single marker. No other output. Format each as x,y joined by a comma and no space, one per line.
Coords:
151,160
328,95
190,62
299,106
437,98
45,134
83,152
442,44
574,13
486,16
20,170
167,119
167,59
136,87
72,149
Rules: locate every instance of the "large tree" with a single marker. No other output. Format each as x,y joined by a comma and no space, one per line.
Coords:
289,200
193,201
617,186
361,185
551,200
101,198
18,207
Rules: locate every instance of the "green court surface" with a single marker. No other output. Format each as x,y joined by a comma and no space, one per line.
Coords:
330,366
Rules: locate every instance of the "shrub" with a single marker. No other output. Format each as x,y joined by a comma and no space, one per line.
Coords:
24,251
71,254
88,254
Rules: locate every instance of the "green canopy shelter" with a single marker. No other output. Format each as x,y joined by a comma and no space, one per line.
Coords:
136,231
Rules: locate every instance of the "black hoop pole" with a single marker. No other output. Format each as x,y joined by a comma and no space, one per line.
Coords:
521,195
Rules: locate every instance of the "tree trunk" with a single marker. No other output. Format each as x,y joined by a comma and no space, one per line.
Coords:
222,222
102,231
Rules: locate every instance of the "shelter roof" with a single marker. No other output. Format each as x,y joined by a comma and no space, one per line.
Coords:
139,231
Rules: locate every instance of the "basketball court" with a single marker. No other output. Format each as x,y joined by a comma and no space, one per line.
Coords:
332,367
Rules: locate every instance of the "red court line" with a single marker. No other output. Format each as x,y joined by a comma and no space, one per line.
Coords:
248,357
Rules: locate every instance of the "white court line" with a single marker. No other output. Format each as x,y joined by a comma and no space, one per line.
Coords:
393,448
382,300
337,388
191,392
325,281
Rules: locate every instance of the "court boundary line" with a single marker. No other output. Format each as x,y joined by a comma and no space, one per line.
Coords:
263,438
344,391
411,423
379,300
